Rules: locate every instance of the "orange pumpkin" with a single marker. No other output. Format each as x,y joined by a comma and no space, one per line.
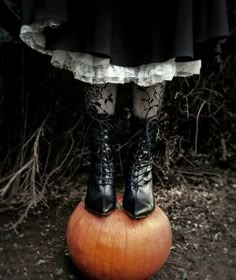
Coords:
117,247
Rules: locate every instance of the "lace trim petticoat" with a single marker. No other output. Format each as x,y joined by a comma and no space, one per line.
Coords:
95,70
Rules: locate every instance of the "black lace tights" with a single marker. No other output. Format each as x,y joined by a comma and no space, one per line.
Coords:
146,101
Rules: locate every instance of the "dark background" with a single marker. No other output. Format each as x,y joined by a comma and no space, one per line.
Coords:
198,115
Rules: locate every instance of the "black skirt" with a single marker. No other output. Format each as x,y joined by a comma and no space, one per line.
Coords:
132,33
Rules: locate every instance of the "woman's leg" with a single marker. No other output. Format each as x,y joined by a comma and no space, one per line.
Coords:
100,99
100,102
147,101
138,198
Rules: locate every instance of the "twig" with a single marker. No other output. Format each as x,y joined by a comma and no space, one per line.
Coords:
59,166
197,123
6,188
224,149
25,214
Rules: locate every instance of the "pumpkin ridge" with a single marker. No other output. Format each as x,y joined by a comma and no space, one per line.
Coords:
140,225
113,238
95,249
77,221
120,214
85,230
145,248
125,257
157,244
135,234
109,251
92,250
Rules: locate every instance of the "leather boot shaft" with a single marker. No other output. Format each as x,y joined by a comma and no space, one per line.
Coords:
100,197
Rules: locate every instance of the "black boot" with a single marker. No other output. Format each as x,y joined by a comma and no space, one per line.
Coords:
101,197
138,200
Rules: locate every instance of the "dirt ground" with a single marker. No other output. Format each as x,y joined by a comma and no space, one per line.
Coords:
201,208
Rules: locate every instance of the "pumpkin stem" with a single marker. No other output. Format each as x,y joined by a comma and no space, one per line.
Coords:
119,204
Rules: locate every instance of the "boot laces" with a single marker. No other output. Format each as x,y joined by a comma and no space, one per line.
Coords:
102,150
141,155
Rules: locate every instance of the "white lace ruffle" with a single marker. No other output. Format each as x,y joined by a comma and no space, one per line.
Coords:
95,70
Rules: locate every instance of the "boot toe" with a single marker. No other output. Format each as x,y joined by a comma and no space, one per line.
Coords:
138,208
100,204
139,203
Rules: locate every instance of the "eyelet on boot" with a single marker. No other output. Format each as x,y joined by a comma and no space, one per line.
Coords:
138,200
100,197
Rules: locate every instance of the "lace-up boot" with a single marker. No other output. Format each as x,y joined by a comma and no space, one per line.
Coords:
138,200
100,196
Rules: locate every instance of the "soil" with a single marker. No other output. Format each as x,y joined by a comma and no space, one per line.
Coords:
201,208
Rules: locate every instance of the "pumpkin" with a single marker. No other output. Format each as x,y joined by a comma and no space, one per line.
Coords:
117,247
